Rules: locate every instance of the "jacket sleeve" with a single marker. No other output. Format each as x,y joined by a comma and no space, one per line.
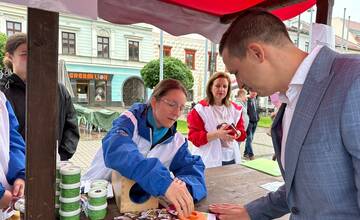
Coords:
2,191
197,133
350,124
17,150
70,135
122,154
241,127
271,206
190,169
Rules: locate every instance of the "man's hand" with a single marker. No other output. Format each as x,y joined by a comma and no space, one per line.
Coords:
179,196
6,199
19,187
229,211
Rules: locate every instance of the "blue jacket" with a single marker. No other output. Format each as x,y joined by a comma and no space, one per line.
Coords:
17,152
128,149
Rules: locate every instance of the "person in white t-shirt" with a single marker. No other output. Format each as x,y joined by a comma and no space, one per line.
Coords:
216,124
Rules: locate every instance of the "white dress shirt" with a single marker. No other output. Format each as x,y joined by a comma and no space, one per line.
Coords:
292,95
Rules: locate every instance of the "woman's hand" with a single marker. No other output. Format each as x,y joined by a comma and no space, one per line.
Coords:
179,196
223,133
6,199
19,187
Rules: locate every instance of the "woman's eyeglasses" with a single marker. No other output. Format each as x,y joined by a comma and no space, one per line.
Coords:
173,105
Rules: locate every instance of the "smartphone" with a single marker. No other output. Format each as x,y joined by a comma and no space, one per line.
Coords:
233,129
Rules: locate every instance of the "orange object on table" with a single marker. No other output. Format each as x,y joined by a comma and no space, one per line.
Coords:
195,216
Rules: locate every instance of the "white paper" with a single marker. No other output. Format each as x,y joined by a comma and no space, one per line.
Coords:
272,186
211,216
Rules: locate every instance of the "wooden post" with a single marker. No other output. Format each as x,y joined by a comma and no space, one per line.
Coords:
41,113
324,11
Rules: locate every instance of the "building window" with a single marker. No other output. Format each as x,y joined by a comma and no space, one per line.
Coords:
68,43
100,91
82,91
209,59
190,58
296,42
103,47
167,51
133,50
12,27
307,46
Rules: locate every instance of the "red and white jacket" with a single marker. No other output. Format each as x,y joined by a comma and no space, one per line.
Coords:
202,120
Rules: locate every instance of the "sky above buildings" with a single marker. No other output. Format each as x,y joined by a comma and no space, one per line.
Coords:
352,10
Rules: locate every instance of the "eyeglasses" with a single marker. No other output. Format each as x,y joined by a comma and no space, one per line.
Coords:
173,105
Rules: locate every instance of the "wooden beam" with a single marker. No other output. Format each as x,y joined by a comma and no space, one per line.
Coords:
41,113
324,11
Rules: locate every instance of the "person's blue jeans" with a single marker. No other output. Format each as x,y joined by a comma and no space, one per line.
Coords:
249,139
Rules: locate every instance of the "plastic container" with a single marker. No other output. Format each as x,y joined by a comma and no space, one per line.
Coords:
97,212
69,204
195,216
70,174
75,215
69,190
97,196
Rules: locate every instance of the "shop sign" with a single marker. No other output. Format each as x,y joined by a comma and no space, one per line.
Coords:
89,76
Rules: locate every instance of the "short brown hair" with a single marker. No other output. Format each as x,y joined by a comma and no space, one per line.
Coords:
13,42
166,85
210,96
253,25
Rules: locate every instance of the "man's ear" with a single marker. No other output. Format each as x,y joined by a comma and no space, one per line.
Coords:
255,52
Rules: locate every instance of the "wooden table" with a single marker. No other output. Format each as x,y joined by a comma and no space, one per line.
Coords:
230,184
234,184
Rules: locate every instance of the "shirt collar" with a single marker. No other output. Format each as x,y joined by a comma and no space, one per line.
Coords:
299,77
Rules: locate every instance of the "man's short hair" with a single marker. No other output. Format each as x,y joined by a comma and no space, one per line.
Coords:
253,25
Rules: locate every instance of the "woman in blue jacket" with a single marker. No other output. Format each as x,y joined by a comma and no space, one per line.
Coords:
143,145
12,155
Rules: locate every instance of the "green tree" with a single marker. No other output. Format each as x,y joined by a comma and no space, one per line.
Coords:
3,39
173,68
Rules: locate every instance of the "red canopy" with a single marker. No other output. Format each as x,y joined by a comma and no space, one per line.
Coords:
179,17
221,7
293,10
216,7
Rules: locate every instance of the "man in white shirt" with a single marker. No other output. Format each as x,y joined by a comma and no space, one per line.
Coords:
316,131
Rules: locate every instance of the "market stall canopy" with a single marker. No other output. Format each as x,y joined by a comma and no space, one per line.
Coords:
177,17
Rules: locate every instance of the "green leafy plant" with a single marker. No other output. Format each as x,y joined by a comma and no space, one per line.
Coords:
3,39
173,68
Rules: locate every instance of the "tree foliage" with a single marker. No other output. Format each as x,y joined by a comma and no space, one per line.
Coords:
3,39
173,68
